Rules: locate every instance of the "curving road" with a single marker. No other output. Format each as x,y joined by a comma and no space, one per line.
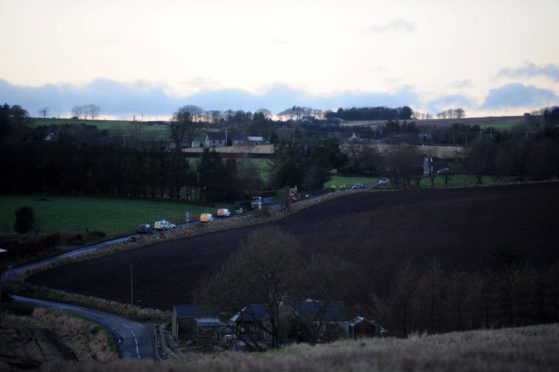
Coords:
18,270
133,340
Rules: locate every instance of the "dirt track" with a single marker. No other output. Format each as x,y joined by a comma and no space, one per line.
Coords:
379,231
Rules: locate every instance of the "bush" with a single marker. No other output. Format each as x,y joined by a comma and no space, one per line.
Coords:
25,219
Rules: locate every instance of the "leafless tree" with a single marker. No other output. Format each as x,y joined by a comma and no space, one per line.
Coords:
265,268
182,128
43,112
196,112
401,164
93,111
77,111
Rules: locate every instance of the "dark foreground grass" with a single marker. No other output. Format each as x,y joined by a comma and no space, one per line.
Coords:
78,214
515,349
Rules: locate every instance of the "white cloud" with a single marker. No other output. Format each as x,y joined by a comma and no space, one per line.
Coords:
530,69
396,25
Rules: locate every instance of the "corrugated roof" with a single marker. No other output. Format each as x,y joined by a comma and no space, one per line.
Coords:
251,313
192,311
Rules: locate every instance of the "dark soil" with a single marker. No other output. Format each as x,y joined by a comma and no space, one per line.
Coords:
380,231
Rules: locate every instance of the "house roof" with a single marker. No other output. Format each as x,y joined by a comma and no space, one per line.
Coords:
320,311
251,313
219,136
208,322
192,311
255,138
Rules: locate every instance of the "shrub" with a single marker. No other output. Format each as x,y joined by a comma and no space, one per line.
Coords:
25,219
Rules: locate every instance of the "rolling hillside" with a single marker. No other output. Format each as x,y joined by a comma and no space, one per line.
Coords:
381,231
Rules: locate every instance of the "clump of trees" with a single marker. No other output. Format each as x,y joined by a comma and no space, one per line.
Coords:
510,293
371,113
271,269
86,111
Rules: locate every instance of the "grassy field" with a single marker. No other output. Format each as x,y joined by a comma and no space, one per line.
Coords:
348,181
101,124
454,181
500,125
76,214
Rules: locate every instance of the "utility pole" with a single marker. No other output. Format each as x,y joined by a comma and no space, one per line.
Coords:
225,137
131,286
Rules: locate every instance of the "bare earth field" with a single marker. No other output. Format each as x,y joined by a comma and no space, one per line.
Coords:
381,231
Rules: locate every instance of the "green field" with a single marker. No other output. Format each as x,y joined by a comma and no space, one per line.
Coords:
102,124
500,125
76,214
454,181
348,181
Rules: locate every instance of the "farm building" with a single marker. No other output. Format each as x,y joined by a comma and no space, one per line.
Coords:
251,323
318,320
192,322
362,327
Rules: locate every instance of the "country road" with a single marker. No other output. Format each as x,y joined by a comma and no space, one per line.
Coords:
133,340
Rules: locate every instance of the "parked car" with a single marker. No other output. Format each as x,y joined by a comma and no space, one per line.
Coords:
144,228
164,225
223,212
357,186
383,181
443,171
257,202
206,217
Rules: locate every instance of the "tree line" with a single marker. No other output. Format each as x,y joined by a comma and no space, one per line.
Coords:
371,113
433,300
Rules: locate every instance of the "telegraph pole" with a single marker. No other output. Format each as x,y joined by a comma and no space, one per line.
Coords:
131,286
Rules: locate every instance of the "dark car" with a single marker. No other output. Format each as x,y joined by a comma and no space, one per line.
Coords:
144,228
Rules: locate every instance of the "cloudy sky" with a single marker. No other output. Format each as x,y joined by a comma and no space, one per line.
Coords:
134,57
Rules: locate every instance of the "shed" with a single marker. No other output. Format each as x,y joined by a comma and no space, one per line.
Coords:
362,327
187,318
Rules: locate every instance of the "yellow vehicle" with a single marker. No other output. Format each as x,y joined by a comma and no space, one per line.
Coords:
206,217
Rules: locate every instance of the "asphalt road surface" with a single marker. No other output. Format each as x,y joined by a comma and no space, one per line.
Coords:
15,271
133,340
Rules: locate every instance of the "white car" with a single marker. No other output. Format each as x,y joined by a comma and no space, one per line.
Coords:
383,181
223,212
164,225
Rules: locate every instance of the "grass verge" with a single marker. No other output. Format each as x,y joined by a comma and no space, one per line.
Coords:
124,310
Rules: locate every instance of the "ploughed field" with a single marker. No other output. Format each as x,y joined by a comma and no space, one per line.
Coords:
380,231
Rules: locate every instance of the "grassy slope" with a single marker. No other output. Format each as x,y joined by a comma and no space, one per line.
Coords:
75,214
515,349
100,124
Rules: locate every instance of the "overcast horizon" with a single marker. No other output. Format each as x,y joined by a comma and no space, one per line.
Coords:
150,57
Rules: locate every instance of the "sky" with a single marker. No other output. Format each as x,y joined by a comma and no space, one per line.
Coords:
149,57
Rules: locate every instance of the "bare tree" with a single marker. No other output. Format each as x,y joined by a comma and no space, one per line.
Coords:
267,113
402,163
262,272
93,111
196,112
77,111
459,113
43,112
182,128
